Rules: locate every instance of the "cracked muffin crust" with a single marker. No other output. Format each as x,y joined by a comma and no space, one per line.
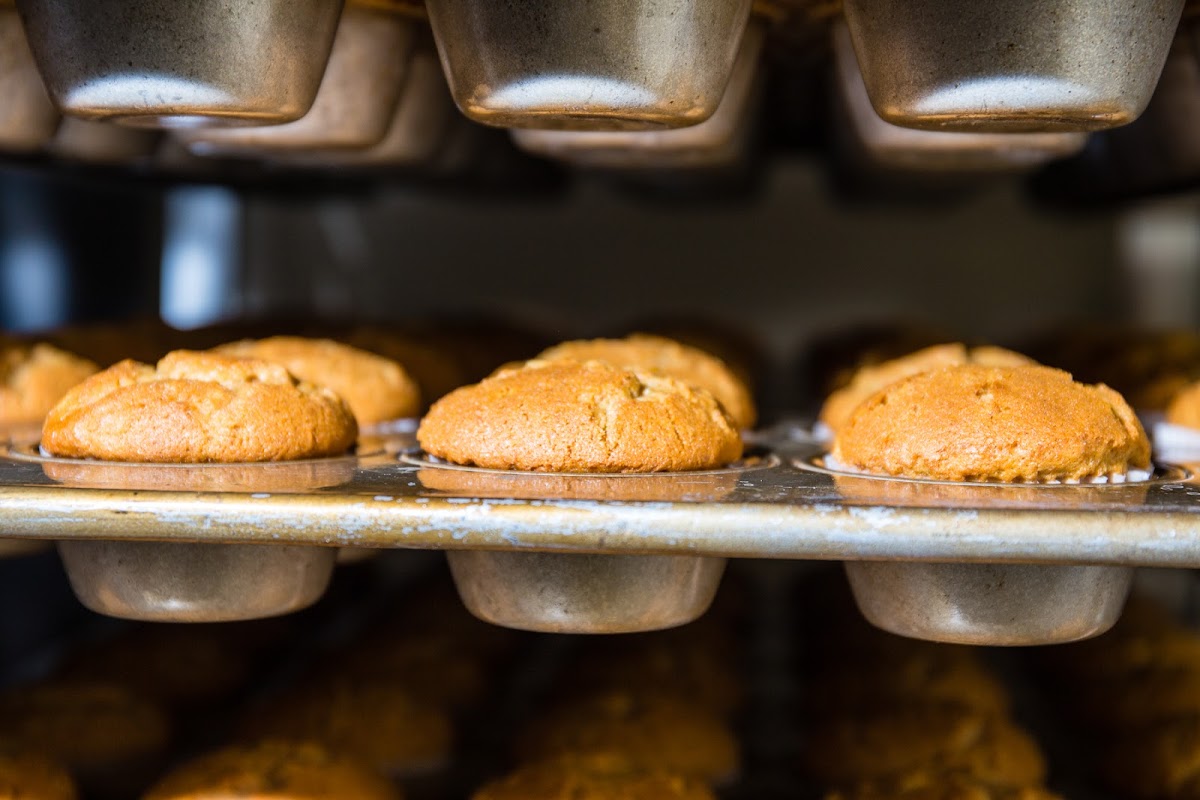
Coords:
377,389
568,416
198,408
657,355
1006,424
35,377
592,777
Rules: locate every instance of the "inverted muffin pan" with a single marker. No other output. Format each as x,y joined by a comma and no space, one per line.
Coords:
27,117
944,561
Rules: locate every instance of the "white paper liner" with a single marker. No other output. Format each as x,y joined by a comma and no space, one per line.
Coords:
1129,476
1175,442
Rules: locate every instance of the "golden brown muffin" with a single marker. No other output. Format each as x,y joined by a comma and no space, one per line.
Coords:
566,416
656,355
1158,762
198,407
1005,424
937,785
662,732
593,777
1184,408
274,770
377,389
435,370
871,378
381,722
31,776
887,743
33,378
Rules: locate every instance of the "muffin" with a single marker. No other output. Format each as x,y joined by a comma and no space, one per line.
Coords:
381,722
656,355
274,770
662,732
871,378
30,776
435,371
1005,424
938,785
592,777
33,378
890,742
196,408
568,416
377,389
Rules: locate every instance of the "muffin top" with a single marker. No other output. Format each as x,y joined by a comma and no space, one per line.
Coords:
274,770
377,389
197,408
657,355
871,378
569,416
598,776
35,377
1004,424
32,776
661,731
930,784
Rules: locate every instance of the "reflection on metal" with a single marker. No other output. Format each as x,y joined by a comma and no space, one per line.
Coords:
27,117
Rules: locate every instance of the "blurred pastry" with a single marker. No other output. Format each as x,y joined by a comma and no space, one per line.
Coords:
1004,424
31,776
198,407
1184,408
435,370
939,785
655,355
566,416
593,777
377,389
33,378
274,770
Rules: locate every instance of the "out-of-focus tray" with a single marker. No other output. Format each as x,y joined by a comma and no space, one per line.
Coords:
773,506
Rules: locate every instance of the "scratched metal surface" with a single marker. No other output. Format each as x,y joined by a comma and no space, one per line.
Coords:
771,507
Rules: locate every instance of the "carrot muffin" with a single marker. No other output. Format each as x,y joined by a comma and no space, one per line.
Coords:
661,732
30,776
593,777
33,378
377,389
567,416
274,770
198,407
870,379
659,356
1005,424
383,723
938,785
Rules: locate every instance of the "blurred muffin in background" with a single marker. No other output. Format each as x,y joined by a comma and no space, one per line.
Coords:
736,345
33,378
935,784
592,777
436,371
25,775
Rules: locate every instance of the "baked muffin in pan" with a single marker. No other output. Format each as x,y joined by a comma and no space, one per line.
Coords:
597,776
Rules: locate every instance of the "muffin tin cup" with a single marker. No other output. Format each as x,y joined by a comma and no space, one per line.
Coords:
584,593
719,141
990,604
356,100
186,582
887,146
1011,65
27,117
601,65
179,64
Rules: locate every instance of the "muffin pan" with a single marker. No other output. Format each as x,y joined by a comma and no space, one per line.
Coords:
780,503
27,117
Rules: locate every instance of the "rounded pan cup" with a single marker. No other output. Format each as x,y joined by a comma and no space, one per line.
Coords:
990,604
27,117
354,105
181,63
718,141
600,65
1011,65
889,146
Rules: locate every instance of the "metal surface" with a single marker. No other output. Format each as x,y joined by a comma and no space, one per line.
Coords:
172,63
601,65
721,140
991,604
354,104
102,142
892,147
183,582
1011,65
27,117
585,593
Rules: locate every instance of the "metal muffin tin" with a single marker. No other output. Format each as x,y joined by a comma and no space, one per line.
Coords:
1011,65
779,505
27,117
600,65
170,64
